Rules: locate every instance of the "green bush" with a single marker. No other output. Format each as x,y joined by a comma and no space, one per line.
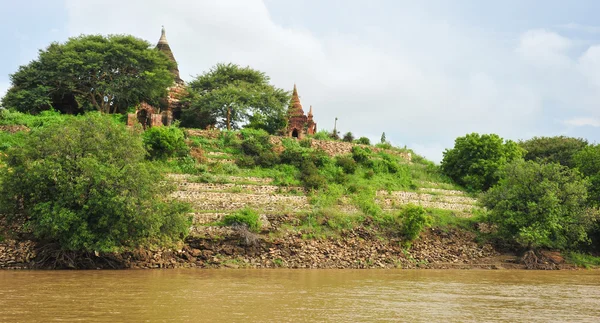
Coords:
228,139
384,145
348,137
267,159
165,142
245,217
347,163
12,118
322,135
414,220
363,141
305,143
360,155
310,176
252,147
85,185
8,140
540,206
245,161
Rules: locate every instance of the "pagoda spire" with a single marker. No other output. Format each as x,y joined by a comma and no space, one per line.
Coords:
310,112
295,105
163,36
163,46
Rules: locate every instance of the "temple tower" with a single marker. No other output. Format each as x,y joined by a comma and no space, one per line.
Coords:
163,46
299,125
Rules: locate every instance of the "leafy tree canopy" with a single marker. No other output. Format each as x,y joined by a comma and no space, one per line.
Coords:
559,149
587,162
230,96
91,72
475,160
85,185
540,205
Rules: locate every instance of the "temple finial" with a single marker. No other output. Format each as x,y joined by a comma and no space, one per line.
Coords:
163,36
310,112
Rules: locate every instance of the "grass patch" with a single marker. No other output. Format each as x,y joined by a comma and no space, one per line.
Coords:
245,217
583,260
446,219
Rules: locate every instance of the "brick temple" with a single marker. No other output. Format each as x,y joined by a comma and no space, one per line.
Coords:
299,124
150,116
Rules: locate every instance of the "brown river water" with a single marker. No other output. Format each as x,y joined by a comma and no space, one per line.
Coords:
299,296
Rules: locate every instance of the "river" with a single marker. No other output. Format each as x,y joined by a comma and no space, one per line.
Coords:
299,296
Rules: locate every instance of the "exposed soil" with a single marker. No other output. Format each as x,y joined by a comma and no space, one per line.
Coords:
238,248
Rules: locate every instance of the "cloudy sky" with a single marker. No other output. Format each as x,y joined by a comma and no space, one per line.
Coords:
425,72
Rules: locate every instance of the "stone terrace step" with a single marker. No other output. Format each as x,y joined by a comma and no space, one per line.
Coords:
255,189
236,201
407,197
234,179
442,191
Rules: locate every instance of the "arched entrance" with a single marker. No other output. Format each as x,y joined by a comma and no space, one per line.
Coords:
295,133
144,118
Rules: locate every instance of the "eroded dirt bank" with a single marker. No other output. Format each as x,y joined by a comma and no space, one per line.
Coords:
237,248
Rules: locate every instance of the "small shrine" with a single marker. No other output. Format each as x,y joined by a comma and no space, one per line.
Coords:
299,124
150,116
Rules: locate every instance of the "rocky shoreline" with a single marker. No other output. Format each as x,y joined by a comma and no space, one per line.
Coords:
360,248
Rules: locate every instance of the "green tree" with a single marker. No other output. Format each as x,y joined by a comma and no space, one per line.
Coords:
587,162
559,149
540,205
383,139
229,96
475,160
91,72
85,185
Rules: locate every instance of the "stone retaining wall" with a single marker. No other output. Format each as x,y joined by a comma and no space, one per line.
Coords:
246,188
413,196
237,201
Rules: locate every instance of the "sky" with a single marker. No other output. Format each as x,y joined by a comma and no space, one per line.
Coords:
423,72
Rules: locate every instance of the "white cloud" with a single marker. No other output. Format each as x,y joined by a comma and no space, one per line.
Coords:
544,48
423,80
581,122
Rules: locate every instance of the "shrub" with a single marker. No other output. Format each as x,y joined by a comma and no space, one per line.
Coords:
252,147
267,159
360,155
320,158
245,217
347,164
245,161
385,145
85,185
322,135
310,176
363,141
186,165
228,139
539,205
348,137
414,220
305,143
165,142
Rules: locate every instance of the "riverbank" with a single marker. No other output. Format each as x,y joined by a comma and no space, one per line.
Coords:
360,248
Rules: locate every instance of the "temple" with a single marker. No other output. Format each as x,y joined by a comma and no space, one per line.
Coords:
299,124
170,106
